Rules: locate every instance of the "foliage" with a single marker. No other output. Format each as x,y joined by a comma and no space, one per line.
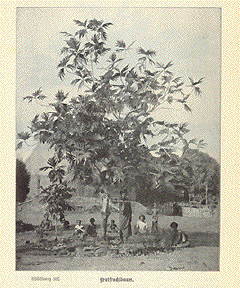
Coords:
22,181
58,192
56,172
55,195
205,171
190,174
102,132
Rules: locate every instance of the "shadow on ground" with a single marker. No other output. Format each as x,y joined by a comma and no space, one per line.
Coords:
198,239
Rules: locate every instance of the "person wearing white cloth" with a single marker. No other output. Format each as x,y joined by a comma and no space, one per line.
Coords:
141,226
105,211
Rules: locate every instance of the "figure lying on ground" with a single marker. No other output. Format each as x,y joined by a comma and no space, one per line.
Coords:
171,239
66,225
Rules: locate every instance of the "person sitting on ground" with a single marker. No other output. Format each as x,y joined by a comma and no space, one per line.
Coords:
79,229
61,217
113,227
91,228
46,223
66,225
141,226
179,238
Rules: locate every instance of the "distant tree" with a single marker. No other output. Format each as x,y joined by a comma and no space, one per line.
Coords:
205,172
171,175
194,173
22,181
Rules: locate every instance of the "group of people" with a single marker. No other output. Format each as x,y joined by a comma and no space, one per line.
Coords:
91,229
178,238
123,206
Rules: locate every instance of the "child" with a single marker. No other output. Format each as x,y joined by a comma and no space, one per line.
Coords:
113,227
79,229
179,238
141,226
91,228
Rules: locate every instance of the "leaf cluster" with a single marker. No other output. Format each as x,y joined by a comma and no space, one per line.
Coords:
55,197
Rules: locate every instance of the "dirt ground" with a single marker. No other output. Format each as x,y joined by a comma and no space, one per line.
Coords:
202,255
189,259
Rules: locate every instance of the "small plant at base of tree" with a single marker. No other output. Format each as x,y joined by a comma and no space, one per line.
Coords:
57,194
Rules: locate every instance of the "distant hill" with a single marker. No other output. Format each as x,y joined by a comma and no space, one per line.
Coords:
38,158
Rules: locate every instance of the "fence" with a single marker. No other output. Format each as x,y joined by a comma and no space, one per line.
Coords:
201,212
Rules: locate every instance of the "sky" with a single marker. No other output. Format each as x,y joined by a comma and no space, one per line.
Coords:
189,37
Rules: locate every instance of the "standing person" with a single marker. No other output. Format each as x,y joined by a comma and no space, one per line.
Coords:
154,219
125,217
105,211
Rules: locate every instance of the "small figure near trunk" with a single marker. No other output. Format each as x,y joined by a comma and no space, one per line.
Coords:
154,228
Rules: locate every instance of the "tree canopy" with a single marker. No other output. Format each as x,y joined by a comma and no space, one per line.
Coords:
102,132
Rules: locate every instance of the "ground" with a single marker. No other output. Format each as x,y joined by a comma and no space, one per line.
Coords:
190,259
202,255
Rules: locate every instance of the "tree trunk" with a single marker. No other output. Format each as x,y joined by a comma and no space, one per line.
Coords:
206,194
56,226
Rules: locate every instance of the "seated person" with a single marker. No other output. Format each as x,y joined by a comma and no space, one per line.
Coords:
141,226
113,227
179,238
79,229
46,224
91,228
66,225
61,217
